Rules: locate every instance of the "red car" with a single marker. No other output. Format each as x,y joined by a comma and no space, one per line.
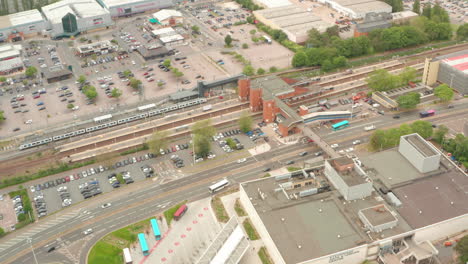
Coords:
151,80
174,149
146,73
67,178
20,98
36,96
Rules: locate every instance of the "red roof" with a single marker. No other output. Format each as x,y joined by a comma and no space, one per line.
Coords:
289,80
458,57
461,66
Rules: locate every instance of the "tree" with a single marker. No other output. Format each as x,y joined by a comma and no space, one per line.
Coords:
21,217
3,79
462,32
444,92
462,249
202,145
2,117
195,28
2,232
248,70
204,128
81,79
255,39
245,46
135,83
228,40
427,11
299,59
273,69
158,141
409,100
116,93
91,93
382,80
127,73
333,31
70,106
245,122
203,131
423,128
417,7
250,19
439,134
253,31
167,63
260,71
407,75
31,71
439,14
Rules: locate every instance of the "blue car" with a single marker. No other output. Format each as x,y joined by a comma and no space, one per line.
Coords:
40,103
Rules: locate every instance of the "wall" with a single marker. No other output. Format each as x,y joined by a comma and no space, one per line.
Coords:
88,23
256,99
260,227
359,191
454,78
269,111
431,70
443,229
139,7
335,179
350,256
421,163
243,89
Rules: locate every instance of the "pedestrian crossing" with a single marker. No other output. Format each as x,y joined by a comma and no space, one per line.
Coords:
37,229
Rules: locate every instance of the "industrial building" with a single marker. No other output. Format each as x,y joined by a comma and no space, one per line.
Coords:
371,22
272,3
98,48
357,9
391,210
294,20
10,59
70,17
118,8
16,27
451,69
168,17
168,36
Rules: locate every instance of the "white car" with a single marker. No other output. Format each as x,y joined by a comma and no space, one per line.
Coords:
242,160
356,142
28,121
32,188
88,231
349,150
133,62
334,146
106,205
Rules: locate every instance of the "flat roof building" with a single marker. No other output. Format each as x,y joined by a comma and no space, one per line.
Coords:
119,8
168,17
10,59
357,9
16,27
272,3
294,20
70,17
168,36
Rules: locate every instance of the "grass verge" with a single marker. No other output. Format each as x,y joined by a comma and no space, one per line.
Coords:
250,230
103,252
239,209
291,169
169,213
219,210
264,256
28,216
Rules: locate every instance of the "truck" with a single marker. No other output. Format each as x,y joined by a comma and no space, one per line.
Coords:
369,128
207,108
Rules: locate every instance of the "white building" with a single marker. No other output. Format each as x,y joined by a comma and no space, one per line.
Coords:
10,58
357,9
168,36
272,3
17,26
70,17
119,8
168,17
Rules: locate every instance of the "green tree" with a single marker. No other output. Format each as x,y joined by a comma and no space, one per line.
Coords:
204,128
228,40
260,71
127,73
407,75
427,11
31,71
177,73
315,39
444,93
382,80
417,7
245,122
116,93
439,134
299,59
333,31
250,19
255,39
135,83
81,79
167,63
423,128
462,249
245,46
195,28
405,129
203,131
202,145
439,14
3,79
2,232
2,117
70,106
90,92
273,69
409,100
21,217
377,140
253,31
462,32
248,70
158,141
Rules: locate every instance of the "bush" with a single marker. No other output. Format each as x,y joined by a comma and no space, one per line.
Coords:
239,209
264,256
250,230
219,209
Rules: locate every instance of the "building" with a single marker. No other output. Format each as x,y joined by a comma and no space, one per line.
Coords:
56,74
306,217
10,59
294,20
154,51
118,8
272,3
424,157
168,17
71,17
451,69
403,16
168,36
357,9
371,22
98,48
16,27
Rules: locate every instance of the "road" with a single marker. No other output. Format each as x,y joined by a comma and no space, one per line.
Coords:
128,207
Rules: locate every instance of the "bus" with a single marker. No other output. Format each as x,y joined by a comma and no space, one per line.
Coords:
127,256
180,212
218,186
340,125
156,232
427,113
143,244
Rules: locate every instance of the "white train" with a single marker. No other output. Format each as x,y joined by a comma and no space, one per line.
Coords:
114,123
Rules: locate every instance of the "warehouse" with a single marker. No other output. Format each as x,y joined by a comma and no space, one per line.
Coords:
70,17
16,27
451,69
118,8
272,3
357,9
10,59
168,17
168,36
295,21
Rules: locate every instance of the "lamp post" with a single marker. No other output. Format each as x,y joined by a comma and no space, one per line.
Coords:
32,249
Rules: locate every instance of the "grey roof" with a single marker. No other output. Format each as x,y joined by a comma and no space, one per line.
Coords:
421,145
147,53
272,85
49,74
182,94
